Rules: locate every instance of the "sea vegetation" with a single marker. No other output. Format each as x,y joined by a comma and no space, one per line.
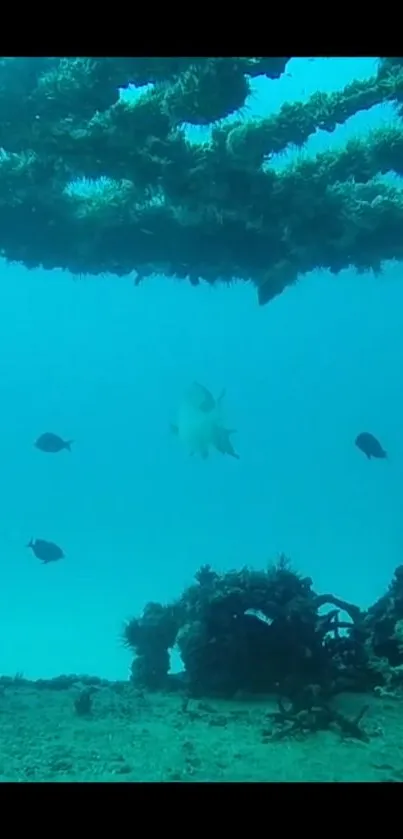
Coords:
250,632
94,182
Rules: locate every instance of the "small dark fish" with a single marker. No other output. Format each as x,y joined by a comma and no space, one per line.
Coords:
46,551
370,445
49,442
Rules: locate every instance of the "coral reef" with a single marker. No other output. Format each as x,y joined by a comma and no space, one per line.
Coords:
264,631
151,636
93,182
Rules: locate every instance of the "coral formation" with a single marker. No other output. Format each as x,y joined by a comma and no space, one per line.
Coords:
264,631
93,182
151,636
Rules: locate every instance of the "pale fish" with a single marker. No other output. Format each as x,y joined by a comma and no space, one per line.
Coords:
199,424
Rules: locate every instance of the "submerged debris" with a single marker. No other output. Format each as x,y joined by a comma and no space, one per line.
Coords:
321,717
116,174
83,702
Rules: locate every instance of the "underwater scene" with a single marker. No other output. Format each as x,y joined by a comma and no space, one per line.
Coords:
201,426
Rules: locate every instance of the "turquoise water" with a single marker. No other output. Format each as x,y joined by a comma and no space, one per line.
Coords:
105,363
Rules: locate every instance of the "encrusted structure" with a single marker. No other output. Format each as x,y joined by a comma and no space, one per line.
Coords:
270,632
94,183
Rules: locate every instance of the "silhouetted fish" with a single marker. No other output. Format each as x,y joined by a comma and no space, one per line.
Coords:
46,551
49,442
370,445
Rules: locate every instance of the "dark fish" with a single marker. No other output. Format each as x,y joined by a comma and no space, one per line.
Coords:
49,442
46,551
370,445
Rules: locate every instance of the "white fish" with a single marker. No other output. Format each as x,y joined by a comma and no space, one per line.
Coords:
199,424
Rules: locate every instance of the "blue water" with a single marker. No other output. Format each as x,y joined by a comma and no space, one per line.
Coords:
105,363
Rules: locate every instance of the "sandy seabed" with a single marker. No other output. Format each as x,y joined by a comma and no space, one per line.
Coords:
134,736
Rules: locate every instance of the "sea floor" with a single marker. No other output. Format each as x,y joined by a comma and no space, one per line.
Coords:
130,736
